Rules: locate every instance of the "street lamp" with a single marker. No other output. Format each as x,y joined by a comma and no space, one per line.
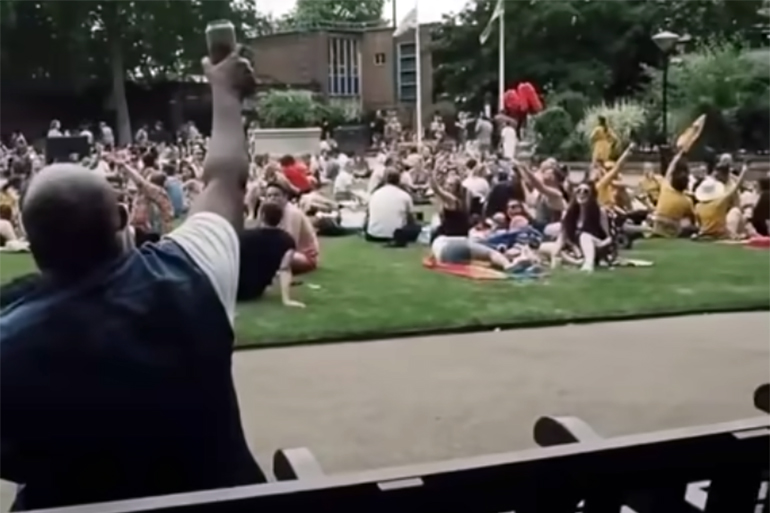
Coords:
666,41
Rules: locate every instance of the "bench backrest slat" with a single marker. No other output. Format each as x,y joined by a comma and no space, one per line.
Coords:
602,472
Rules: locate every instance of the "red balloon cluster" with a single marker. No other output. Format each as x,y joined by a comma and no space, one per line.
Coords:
522,100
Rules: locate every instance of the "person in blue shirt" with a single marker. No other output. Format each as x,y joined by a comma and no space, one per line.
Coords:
175,190
116,368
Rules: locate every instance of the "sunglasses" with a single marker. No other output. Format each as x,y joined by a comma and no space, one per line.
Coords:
582,190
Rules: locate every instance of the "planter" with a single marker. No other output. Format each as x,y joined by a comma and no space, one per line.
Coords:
278,142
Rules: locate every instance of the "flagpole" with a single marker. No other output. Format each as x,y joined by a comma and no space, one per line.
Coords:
501,61
418,65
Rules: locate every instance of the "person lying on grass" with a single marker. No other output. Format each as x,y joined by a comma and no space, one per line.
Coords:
452,244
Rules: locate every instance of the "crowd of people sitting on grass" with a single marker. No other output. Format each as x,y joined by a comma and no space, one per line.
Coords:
484,206
117,355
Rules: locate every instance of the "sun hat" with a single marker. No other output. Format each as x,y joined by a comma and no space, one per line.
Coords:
709,190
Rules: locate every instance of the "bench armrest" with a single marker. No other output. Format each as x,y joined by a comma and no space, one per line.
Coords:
297,463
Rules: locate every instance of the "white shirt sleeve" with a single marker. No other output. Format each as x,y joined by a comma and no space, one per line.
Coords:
211,242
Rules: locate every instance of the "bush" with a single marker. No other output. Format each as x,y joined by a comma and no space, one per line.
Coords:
552,127
575,148
287,109
625,118
335,115
574,102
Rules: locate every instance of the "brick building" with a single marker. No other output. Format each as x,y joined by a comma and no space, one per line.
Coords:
365,69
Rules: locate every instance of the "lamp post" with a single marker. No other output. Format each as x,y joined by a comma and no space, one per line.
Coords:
666,41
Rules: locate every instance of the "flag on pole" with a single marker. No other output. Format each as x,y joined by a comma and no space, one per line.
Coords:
499,10
408,23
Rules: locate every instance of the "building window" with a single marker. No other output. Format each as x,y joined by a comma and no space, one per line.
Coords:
379,59
344,69
407,72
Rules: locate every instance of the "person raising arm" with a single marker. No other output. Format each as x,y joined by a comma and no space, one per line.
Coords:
674,205
606,186
128,351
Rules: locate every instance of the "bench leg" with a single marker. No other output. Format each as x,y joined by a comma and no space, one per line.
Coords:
298,463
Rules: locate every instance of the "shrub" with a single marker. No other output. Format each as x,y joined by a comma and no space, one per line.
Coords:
287,109
334,114
552,127
625,117
574,102
574,148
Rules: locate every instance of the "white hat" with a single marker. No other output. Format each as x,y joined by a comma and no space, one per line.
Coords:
709,190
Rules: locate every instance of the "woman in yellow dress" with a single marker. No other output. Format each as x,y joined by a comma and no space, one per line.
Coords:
603,139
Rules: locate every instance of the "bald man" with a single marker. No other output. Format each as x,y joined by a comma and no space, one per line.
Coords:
116,377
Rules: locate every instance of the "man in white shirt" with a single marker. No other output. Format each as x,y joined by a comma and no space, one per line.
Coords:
55,129
509,140
108,138
85,132
390,209
476,184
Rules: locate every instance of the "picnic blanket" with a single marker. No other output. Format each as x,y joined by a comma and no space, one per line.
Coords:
480,271
757,242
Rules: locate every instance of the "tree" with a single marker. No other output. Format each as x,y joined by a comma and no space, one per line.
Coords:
315,12
597,47
80,41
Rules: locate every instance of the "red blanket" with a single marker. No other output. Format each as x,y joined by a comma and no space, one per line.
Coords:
478,271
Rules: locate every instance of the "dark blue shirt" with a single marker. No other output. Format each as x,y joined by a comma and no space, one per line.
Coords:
121,386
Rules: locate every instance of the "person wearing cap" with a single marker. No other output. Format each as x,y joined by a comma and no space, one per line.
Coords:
716,216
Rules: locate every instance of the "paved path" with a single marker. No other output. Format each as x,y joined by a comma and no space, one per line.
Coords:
364,405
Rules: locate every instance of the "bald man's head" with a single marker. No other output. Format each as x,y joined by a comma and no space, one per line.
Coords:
71,218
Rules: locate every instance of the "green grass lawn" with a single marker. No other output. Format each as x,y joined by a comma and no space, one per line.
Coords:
364,290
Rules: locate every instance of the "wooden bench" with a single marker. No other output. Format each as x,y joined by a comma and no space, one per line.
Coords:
602,475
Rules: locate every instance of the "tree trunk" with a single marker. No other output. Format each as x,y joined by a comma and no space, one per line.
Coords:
123,120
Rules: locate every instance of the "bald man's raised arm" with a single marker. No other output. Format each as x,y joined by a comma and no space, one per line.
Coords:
226,168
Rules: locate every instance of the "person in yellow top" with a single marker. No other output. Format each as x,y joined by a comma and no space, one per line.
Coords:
649,186
674,206
716,205
603,139
608,185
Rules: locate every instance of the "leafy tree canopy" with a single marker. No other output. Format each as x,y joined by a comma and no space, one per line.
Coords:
597,47
310,12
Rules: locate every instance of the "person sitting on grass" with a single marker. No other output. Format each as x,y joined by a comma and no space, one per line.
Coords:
760,213
587,231
296,172
296,224
716,216
674,214
266,253
390,213
117,379
342,189
7,231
